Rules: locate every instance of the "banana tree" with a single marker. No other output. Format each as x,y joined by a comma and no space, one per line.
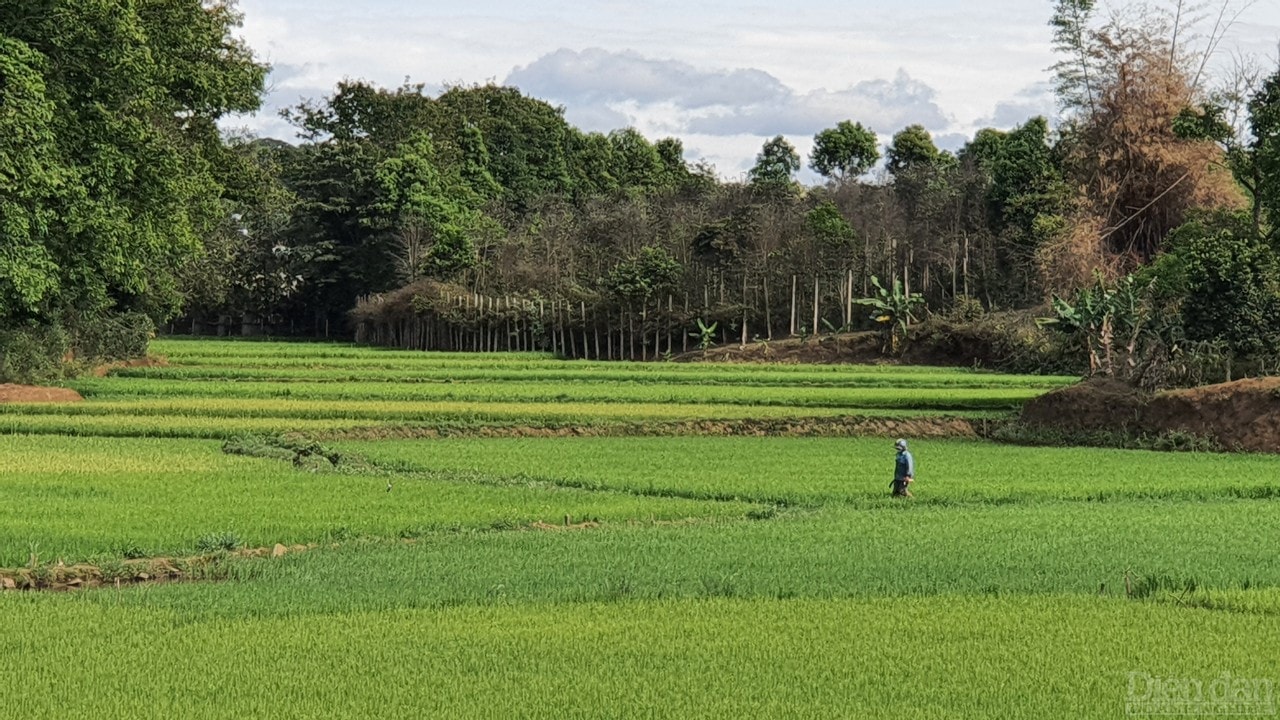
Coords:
1108,320
706,335
891,308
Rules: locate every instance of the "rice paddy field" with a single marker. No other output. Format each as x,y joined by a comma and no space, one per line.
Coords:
354,532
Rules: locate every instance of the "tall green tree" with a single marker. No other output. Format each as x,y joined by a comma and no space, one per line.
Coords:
1232,283
844,152
32,179
1264,122
776,166
109,149
429,214
1028,193
636,161
912,148
527,139
592,164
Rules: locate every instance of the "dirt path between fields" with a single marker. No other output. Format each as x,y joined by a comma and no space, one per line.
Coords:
60,577
34,394
849,426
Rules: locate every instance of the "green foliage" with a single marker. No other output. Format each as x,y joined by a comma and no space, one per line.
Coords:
892,309
1004,341
775,166
983,150
527,139
474,163
592,162
1264,125
966,309
726,241
706,335
1110,321
651,273
912,148
112,337
1232,284
1028,193
675,171
845,151
261,446
219,542
636,162
33,354
29,183
107,149
829,227
431,214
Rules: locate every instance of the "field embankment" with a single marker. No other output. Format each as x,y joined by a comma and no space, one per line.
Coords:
32,394
1242,415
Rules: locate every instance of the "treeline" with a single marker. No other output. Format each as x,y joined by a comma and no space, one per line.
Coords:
480,219
493,194
112,168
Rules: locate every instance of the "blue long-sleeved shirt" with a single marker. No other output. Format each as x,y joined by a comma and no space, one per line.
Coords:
906,466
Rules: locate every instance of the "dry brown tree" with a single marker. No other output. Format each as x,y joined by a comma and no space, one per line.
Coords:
1136,177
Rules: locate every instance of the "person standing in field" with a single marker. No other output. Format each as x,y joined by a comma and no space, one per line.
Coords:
904,471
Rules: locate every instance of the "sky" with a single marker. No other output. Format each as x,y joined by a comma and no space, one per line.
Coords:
722,76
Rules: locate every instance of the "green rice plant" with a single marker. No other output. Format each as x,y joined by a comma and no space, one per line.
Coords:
590,576
962,657
80,498
1007,550
219,542
816,471
915,398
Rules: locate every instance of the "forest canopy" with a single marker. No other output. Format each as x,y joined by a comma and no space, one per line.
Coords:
122,204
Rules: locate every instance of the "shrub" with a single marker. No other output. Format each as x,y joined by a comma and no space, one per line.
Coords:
1009,341
33,354
44,353
219,542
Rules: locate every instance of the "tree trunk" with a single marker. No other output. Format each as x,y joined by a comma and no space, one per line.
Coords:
768,312
848,300
795,288
814,329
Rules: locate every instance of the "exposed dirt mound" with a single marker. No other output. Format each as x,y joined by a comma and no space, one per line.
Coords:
105,370
1097,404
859,348
1242,415
32,394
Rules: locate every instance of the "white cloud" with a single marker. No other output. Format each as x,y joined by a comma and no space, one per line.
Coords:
1032,101
599,76
603,90
720,74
